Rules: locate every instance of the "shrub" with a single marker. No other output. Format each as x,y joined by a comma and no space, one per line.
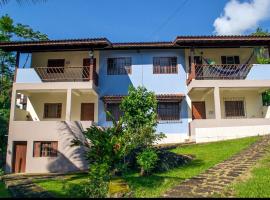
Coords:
139,109
169,160
147,160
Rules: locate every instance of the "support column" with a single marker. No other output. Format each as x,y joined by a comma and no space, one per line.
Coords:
16,65
217,103
68,105
192,64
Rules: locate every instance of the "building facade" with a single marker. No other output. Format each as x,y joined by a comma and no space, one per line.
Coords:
208,88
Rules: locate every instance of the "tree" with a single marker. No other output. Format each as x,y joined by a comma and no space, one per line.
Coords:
139,109
10,31
260,32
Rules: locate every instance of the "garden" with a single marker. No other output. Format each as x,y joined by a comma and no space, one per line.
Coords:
124,160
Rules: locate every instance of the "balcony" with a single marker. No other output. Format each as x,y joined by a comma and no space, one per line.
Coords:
67,74
57,74
220,71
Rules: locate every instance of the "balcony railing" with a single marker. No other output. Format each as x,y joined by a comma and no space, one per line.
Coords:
66,74
219,72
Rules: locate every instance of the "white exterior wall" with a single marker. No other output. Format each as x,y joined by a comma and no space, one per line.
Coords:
224,129
68,159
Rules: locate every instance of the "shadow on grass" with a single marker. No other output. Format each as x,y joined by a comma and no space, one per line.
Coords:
156,180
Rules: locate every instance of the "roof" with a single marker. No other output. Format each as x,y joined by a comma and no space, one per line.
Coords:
222,40
104,43
160,97
68,44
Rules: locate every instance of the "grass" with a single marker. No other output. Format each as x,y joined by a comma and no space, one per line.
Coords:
4,193
56,186
206,156
258,183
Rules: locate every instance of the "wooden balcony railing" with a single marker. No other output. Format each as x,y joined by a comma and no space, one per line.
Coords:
219,72
66,74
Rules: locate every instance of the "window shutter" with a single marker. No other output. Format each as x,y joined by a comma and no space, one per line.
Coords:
59,110
223,60
37,146
46,110
236,60
54,149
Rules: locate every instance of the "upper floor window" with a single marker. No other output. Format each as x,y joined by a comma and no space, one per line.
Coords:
119,66
56,66
45,149
114,109
230,60
168,110
165,65
52,110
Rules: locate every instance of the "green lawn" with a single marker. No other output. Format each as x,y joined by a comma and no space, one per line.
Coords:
258,185
206,156
56,186
4,193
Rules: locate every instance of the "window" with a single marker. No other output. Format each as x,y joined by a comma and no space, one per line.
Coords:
234,108
114,109
56,65
45,149
165,65
52,110
266,98
230,60
168,111
119,66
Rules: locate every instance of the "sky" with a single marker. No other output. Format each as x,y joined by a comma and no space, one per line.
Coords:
140,20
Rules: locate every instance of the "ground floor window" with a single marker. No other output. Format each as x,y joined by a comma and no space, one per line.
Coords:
114,109
168,111
234,107
52,110
45,149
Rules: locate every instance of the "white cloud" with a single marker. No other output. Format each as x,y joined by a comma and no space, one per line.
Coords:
239,17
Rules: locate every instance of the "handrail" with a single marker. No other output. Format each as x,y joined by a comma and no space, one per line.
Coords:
219,71
71,73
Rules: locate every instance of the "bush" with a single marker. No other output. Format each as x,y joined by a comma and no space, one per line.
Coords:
140,117
147,160
169,160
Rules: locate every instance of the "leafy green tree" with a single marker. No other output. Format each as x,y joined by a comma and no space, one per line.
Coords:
105,151
260,32
10,31
139,109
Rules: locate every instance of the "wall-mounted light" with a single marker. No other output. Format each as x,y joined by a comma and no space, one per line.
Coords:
91,54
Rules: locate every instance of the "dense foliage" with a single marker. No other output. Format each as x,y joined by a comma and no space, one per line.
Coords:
10,31
147,159
139,109
262,54
108,149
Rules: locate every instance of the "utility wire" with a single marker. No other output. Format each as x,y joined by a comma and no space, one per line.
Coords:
178,9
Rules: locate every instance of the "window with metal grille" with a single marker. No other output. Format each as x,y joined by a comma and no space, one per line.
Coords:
168,111
56,66
165,65
234,108
230,60
114,109
45,149
119,66
52,110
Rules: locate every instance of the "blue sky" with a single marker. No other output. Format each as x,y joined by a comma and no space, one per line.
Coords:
122,20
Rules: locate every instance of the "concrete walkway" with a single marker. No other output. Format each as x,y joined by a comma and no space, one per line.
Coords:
22,186
216,179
